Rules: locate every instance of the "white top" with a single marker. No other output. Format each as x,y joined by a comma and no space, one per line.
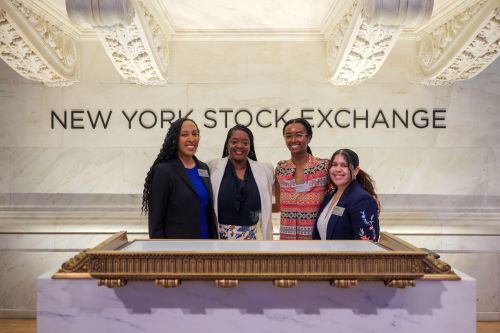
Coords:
324,217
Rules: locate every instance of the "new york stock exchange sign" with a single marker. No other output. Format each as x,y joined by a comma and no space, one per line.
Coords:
211,118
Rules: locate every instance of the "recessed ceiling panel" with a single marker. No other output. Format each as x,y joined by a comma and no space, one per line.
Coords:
244,15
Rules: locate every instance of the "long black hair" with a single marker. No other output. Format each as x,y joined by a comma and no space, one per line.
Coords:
306,125
362,177
243,128
169,151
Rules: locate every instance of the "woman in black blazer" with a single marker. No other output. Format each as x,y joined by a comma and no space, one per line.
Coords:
350,210
177,193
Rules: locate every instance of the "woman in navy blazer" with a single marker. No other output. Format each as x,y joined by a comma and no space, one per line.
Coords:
350,210
177,193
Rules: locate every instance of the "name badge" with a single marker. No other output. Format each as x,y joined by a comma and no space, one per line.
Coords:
203,173
301,188
337,210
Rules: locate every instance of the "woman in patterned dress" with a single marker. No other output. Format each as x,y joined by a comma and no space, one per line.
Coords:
350,210
301,183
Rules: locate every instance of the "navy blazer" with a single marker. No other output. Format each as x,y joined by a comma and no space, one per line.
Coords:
174,210
359,219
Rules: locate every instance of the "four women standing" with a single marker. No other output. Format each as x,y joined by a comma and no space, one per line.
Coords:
179,201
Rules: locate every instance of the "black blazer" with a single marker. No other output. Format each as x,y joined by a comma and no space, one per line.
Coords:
174,210
359,219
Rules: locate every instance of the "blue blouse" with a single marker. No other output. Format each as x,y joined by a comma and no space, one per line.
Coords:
204,200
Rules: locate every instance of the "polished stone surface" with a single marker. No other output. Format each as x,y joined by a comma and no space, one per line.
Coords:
260,246
81,306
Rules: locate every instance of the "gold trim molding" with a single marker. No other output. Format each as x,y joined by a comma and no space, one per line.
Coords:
398,264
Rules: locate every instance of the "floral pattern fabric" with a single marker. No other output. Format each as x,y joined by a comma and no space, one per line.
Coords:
367,232
237,232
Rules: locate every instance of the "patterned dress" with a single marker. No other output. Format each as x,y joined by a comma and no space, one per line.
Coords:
299,209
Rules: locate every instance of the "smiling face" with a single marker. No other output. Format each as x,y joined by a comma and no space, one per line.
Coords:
296,138
189,137
238,146
340,172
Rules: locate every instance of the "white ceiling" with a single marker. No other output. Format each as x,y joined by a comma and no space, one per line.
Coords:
245,19
244,15
458,40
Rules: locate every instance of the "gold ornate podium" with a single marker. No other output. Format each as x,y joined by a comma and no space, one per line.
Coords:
343,264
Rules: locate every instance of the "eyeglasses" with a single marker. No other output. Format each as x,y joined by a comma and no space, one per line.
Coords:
299,136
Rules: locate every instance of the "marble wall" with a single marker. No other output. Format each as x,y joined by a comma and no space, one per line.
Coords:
63,190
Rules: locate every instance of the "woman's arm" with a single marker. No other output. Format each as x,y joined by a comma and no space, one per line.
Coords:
364,219
276,204
159,203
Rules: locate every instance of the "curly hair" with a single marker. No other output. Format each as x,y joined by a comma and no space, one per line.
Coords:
352,159
243,128
169,151
306,125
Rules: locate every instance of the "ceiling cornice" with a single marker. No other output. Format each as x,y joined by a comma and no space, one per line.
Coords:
232,35
56,16
446,10
335,14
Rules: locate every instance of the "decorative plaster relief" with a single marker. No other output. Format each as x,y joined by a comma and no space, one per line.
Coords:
361,41
35,48
463,46
130,35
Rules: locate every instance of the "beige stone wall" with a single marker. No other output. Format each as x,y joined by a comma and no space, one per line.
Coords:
64,190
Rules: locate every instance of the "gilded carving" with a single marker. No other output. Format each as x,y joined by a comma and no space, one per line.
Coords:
226,283
285,283
344,283
400,264
77,264
34,47
97,266
399,283
112,283
463,46
168,283
436,266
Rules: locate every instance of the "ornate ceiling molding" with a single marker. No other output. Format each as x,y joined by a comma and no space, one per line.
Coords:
130,34
360,42
463,46
34,47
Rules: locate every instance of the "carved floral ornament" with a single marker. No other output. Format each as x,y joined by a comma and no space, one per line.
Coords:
132,38
365,35
457,49
463,46
34,47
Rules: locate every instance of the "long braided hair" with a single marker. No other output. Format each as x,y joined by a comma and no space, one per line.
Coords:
306,125
243,128
362,177
169,151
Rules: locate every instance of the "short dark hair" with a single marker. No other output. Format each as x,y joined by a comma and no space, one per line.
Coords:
243,128
306,125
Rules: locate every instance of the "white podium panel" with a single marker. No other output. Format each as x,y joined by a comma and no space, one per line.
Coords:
79,306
